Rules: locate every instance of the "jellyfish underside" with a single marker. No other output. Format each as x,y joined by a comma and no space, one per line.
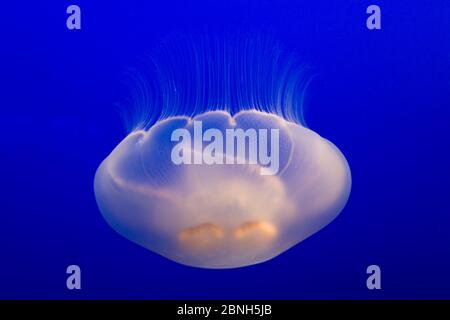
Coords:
221,215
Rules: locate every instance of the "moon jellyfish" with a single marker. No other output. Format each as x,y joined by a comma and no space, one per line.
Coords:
227,174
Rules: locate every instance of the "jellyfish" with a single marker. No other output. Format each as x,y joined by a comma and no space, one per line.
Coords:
231,181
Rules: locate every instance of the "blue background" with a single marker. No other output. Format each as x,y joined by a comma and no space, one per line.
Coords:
381,96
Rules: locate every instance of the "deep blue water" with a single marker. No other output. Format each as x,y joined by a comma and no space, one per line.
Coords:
382,96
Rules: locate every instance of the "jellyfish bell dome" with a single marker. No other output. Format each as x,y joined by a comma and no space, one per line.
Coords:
241,189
